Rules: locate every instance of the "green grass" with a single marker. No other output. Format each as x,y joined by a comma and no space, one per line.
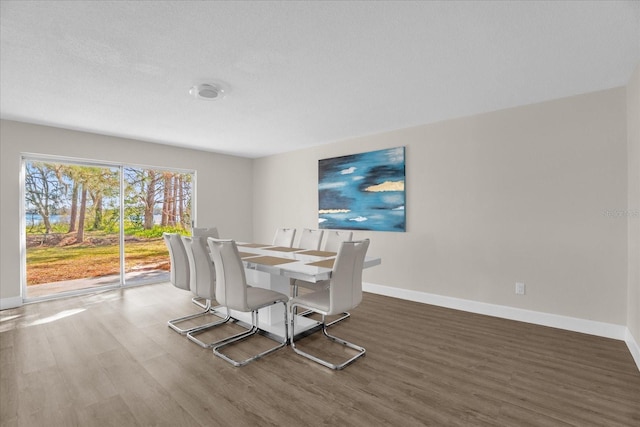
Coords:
52,254
54,264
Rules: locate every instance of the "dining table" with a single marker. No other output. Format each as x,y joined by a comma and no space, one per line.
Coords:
273,267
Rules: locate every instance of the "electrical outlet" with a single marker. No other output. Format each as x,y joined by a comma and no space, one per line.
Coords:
520,288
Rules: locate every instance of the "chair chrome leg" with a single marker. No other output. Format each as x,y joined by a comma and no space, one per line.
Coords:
192,334
361,350
344,316
241,336
294,294
199,301
235,338
173,324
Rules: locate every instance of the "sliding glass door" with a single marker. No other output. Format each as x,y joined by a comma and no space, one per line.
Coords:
93,225
156,201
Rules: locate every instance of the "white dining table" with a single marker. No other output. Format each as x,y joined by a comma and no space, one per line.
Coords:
273,267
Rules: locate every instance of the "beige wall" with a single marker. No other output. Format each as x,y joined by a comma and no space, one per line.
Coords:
633,135
516,195
214,172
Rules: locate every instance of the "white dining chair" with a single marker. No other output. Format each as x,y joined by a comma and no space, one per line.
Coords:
334,238
180,276
310,239
203,283
284,237
233,292
344,293
332,243
203,232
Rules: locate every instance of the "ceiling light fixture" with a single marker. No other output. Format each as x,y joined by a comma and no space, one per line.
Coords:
208,91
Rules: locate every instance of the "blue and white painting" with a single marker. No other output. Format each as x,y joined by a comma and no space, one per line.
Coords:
363,191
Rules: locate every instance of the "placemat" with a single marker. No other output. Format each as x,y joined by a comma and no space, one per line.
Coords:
253,245
318,253
270,260
284,249
326,263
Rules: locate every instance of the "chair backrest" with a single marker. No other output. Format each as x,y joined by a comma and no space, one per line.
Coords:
205,232
202,274
345,287
179,262
335,238
310,239
231,283
284,237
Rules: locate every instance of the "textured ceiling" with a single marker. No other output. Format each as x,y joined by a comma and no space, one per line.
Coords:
299,73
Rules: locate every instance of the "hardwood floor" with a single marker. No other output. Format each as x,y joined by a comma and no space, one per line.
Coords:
108,359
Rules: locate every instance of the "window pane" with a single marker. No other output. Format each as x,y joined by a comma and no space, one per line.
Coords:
72,234
156,201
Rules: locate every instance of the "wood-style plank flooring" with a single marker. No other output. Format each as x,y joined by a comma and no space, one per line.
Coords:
109,359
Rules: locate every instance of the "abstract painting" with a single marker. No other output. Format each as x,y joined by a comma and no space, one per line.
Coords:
363,191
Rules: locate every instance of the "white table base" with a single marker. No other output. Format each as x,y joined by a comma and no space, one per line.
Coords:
271,319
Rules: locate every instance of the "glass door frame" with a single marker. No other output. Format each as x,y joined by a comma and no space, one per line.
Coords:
33,157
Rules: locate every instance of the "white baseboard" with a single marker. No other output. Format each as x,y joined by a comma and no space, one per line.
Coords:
591,327
13,302
634,348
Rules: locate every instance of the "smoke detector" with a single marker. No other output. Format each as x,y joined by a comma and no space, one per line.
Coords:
208,91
